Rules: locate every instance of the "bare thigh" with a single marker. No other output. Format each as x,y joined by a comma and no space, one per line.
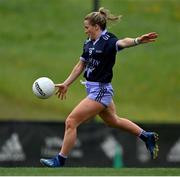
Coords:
85,110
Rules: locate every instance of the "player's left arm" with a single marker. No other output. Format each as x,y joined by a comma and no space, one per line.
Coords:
130,42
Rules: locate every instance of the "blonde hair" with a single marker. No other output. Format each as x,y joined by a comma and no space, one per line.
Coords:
101,17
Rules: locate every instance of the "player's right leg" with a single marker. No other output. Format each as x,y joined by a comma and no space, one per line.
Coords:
150,138
86,109
110,117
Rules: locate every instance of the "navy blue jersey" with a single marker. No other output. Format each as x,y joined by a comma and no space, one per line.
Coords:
99,57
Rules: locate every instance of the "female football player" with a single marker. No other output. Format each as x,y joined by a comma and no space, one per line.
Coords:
97,61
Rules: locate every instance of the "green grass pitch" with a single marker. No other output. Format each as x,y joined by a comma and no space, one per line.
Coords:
89,171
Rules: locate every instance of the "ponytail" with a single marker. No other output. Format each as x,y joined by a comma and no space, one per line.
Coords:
101,17
107,14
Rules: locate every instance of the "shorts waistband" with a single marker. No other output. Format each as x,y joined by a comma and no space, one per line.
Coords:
94,83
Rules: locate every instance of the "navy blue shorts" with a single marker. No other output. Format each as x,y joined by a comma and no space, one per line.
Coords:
100,92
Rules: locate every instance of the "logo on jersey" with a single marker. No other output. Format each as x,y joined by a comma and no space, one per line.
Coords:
90,51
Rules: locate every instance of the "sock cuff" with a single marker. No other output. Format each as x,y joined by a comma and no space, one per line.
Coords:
64,156
141,132
143,136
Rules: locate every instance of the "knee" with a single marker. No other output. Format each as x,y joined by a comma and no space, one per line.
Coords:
112,122
108,124
70,123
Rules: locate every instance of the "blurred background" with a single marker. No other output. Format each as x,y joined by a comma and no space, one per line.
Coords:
45,38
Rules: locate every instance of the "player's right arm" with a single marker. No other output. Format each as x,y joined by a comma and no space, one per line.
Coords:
76,72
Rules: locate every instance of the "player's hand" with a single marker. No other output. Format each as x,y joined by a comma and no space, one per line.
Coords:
150,37
61,91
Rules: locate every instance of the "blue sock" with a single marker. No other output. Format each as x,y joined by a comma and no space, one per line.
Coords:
143,136
62,160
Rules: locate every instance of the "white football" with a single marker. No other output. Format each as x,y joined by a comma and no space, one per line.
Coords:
43,87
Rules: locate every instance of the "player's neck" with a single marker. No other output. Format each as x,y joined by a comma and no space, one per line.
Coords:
97,35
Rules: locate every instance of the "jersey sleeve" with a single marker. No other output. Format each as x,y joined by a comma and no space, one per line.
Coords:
113,42
118,48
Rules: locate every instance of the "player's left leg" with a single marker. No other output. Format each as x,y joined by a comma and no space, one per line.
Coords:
111,119
85,110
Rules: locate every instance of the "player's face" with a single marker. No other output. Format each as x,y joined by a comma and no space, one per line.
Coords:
90,30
